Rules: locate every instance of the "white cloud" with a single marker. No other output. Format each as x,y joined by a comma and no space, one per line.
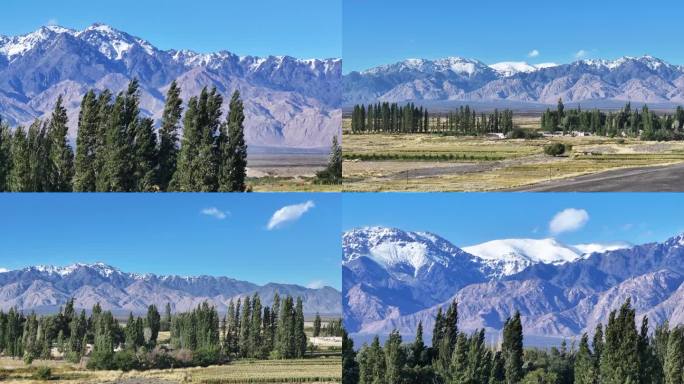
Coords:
581,53
215,212
289,213
533,53
52,22
4,270
568,220
316,284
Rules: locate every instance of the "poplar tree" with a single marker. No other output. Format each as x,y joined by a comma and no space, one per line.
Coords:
168,135
233,149
512,349
61,167
317,325
86,144
5,155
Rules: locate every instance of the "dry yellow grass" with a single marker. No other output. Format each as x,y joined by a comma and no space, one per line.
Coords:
314,370
518,162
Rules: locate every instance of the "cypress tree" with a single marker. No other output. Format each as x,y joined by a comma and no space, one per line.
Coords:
299,335
61,167
674,359
255,332
585,367
245,329
86,144
317,325
233,150
168,136
20,170
350,368
396,358
153,322
146,156
5,155
512,349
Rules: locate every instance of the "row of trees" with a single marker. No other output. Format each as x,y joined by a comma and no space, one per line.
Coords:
117,149
198,337
393,118
629,121
619,353
332,328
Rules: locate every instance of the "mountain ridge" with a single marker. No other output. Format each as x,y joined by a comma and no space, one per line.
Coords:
289,102
628,78
557,298
48,287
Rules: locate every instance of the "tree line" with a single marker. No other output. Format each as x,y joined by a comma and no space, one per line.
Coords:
332,328
199,337
392,118
628,121
117,149
620,352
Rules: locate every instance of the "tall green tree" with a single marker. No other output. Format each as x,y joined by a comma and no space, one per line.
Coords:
233,149
512,349
168,136
146,157
61,167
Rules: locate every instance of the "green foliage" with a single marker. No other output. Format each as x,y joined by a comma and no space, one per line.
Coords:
556,149
43,373
332,174
125,361
118,150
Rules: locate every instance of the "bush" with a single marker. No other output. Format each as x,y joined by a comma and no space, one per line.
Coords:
555,149
125,361
206,356
43,373
100,360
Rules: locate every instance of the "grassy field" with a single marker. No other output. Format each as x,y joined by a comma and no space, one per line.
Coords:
430,162
287,173
314,370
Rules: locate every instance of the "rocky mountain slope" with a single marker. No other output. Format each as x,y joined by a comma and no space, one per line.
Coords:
558,294
289,102
45,288
639,79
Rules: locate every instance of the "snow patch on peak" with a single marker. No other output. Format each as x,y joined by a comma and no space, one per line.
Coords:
510,256
99,267
589,248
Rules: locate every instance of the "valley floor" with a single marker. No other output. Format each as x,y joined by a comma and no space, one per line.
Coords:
287,173
450,163
322,370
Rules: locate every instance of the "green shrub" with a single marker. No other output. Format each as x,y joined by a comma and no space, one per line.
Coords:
206,356
125,361
101,361
43,373
555,149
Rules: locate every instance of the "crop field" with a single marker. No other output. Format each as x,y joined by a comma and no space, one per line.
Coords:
320,370
432,162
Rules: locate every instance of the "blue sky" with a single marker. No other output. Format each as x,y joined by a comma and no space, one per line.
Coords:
186,234
377,32
300,28
471,218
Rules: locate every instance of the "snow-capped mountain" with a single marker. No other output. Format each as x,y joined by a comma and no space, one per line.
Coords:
510,68
639,79
563,291
45,287
288,102
510,256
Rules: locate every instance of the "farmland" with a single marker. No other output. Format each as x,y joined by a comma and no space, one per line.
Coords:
311,370
434,162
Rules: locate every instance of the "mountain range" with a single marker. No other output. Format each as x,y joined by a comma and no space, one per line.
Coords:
393,279
45,288
288,102
639,79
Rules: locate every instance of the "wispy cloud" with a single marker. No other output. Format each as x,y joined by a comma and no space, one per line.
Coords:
52,21
3,270
568,220
289,213
316,284
581,54
215,213
533,53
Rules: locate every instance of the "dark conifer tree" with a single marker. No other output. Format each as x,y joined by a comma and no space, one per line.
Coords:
233,149
168,136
